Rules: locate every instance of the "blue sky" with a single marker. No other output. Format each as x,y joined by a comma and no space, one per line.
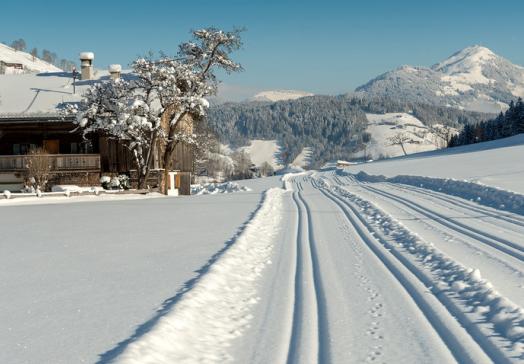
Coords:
326,47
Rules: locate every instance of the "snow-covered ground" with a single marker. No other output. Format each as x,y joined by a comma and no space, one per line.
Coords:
261,151
32,64
303,159
81,280
497,163
382,127
324,266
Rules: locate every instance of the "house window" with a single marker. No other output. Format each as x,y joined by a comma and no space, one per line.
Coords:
23,148
75,148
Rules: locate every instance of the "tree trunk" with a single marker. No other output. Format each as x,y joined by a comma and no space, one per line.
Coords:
167,166
149,157
402,146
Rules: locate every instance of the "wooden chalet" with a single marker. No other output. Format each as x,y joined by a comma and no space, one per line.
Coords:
74,160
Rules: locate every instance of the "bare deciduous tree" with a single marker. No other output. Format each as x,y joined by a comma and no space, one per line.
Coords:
443,134
401,139
38,165
266,169
34,53
18,44
243,164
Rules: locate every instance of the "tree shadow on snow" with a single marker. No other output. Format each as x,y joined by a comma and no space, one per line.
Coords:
169,303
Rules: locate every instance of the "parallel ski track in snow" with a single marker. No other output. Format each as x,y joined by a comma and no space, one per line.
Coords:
503,245
501,216
444,315
309,341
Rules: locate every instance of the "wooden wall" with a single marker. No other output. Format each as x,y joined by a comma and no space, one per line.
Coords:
183,158
114,156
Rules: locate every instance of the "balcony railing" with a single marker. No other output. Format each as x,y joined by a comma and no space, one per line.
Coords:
58,162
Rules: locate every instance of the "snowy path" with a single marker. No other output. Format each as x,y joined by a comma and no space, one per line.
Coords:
359,272
367,288
474,235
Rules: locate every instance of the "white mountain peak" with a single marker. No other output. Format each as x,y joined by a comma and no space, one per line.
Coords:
465,59
474,78
280,95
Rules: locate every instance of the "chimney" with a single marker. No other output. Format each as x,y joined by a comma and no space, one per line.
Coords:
86,63
115,70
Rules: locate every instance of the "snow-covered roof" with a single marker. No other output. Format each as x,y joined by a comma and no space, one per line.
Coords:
27,94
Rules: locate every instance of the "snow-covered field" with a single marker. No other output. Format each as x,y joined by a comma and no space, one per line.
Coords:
81,280
326,266
261,151
497,163
385,126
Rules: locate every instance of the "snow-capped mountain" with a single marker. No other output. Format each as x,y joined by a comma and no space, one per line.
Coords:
474,78
30,63
279,95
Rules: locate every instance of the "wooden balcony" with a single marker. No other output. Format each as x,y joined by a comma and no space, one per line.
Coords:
58,162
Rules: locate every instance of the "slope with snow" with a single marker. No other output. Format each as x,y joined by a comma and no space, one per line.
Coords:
382,127
495,163
474,78
303,159
280,95
31,64
261,151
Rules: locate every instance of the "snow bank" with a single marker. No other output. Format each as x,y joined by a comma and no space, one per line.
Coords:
75,188
216,310
213,188
482,194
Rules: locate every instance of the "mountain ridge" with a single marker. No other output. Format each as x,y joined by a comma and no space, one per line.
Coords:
474,78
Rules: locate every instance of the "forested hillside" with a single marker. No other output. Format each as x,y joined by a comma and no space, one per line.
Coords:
333,126
504,125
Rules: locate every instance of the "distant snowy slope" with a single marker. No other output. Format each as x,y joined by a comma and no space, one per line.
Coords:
261,151
280,95
474,78
492,163
303,159
384,126
10,55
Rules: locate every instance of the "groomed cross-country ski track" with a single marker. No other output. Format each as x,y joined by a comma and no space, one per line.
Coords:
332,269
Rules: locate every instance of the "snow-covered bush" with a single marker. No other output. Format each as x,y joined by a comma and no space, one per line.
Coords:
124,181
38,167
115,183
105,182
214,188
